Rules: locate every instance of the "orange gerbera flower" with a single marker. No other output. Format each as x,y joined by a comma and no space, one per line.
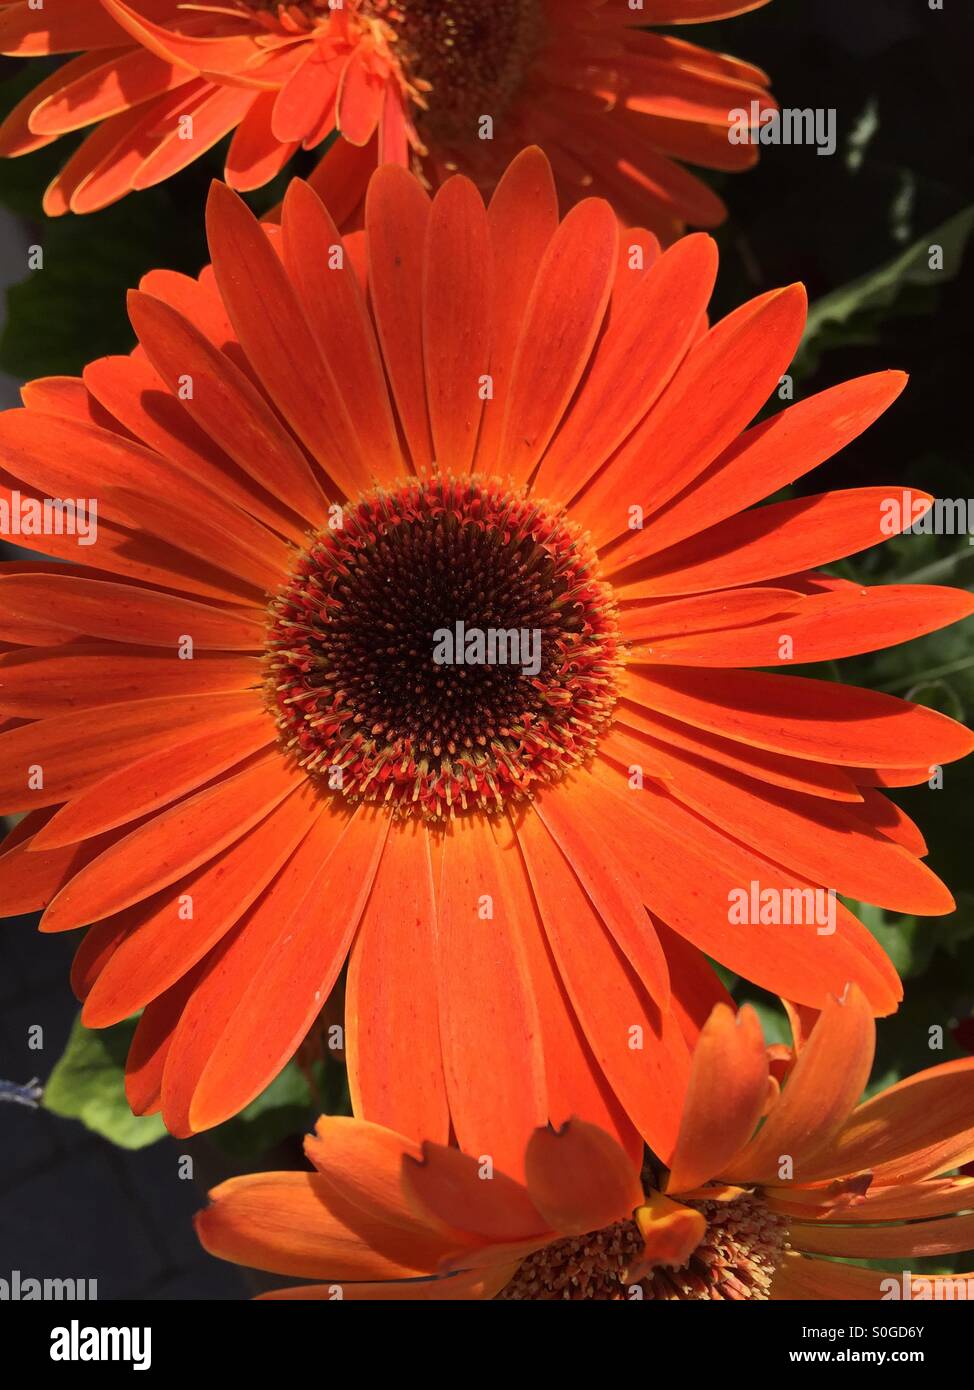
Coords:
737,1212
436,86
483,839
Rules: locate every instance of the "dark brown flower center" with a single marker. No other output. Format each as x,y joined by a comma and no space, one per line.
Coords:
736,1260
466,58
448,647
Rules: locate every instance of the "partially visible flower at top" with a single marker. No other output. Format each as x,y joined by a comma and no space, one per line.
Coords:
738,1212
433,86
243,764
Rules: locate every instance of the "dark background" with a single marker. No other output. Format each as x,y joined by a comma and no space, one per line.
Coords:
899,77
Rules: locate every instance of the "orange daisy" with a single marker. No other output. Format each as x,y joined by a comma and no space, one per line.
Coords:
736,1212
432,86
243,761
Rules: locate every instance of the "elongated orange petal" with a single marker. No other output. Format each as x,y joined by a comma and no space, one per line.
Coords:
166,935
921,1127
725,1097
490,1028
803,834
721,384
806,718
150,1046
561,322
295,980
761,544
269,321
457,288
523,217
83,675
917,1238
396,215
639,1047
283,1222
818,779
335,309
71,752
395,1069
238,957
824,627
819,1095
173,843
651,832
226,405
627,373
158,778
767,456
130,613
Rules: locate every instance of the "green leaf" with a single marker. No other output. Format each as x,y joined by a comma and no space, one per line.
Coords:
852,313
88,1084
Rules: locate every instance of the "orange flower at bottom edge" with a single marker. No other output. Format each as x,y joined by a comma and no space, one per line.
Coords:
742,1213
157,83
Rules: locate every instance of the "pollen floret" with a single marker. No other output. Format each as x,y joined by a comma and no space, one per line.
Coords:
353,677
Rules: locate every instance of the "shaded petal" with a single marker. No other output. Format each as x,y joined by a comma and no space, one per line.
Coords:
725,1097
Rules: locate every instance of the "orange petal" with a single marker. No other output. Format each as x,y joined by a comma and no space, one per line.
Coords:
126,613
397,213
492,1046
166,935
283,1222
171,844
777,451
457,290
580,1179
721,384
277,1008
158,778
273,331
82,675
74,752
226,405
761,544
724,1100
627,373
560,325
922,1126
461,1192
335,308
639,1048
523,217
818,720
395,1071
804,834
818,1097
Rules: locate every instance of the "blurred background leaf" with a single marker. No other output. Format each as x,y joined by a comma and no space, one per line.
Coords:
87,1084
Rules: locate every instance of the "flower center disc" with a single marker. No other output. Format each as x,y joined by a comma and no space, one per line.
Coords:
449,647
465,60
736,1261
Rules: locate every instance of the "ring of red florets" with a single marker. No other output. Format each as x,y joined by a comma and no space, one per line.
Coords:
382,697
